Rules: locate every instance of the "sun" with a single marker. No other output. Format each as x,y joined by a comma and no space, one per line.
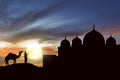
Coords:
34,51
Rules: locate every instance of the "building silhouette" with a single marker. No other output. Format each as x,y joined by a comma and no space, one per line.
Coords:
93,56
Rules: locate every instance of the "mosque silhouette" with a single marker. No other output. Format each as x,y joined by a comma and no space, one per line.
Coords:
94,56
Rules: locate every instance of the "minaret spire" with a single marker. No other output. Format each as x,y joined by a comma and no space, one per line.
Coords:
65,36
93,26
110,35
76,35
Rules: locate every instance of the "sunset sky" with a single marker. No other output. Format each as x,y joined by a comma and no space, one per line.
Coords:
25,23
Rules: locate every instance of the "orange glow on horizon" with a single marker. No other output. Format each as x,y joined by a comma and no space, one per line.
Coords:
5,51
37,49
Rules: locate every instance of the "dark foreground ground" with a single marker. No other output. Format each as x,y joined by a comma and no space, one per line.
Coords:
61,72
21,72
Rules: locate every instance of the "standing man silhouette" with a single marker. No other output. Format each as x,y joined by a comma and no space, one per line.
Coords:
25,57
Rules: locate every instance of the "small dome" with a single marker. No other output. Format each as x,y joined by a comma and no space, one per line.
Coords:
65,43
76,42
93,38
111,41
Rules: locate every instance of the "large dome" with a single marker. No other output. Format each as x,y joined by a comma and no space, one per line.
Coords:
93,38
76,42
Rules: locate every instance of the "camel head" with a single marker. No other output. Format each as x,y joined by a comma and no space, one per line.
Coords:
20,52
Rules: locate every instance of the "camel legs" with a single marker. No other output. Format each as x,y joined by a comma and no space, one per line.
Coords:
6,62
14,61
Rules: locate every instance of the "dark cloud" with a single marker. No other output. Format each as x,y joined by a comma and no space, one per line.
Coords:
111,29
47,34
31,34
33,16
49,50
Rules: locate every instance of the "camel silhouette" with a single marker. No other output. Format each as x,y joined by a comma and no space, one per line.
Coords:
13,57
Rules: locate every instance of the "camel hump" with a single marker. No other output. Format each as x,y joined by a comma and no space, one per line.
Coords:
10,53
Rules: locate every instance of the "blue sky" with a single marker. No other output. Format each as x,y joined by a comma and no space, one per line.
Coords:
47,19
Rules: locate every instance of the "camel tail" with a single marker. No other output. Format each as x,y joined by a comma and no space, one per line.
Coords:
4,61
